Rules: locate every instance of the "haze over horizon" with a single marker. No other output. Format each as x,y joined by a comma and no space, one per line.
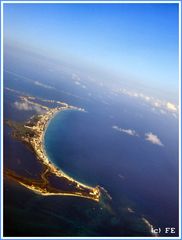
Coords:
136,44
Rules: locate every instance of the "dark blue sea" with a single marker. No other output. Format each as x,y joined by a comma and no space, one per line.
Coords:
137,174
141,177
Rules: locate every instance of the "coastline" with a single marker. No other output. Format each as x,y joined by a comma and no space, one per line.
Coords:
43,138
36,128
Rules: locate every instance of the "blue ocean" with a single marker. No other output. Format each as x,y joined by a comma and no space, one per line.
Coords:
140,177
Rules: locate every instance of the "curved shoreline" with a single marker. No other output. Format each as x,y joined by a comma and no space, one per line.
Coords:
43,139
36,128
51,164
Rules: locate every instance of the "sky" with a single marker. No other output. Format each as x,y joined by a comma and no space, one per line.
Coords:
135,41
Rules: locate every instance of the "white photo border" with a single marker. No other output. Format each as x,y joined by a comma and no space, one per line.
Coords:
2,97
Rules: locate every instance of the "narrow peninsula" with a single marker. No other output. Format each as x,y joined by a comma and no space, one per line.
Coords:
32,133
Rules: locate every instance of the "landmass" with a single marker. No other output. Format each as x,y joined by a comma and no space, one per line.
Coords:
32,133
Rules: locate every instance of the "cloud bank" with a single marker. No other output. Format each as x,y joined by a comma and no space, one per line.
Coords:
162,105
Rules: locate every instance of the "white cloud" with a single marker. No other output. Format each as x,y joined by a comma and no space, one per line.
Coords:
77,83
42,85
170,106
153,139
77,80
75,77
130,132
25,106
